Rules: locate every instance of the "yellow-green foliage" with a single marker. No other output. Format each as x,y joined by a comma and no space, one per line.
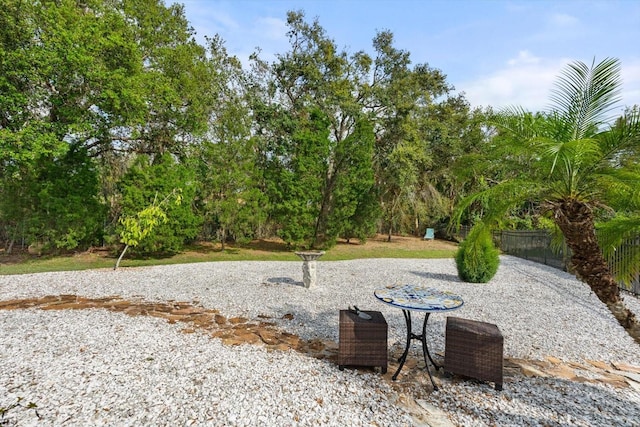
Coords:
135,229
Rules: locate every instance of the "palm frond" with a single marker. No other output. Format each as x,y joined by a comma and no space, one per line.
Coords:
557,244
619,240
620,188
585,95
623,137
502,197
569,162
517,121
550,149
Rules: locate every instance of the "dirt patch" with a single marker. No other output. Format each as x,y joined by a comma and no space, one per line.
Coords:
379,241
402,242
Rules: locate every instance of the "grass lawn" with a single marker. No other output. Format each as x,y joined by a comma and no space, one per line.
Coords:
259,250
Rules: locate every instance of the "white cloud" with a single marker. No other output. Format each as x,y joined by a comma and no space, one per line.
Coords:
220,20
559,28
527,81
563,20
524,57
271,28
631,82
243,33
524,81
208,21
267,35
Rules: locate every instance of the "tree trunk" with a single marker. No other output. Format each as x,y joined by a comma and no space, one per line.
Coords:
320,232
576,222
115,267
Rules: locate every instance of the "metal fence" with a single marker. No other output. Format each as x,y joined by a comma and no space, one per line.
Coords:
623,253
535,245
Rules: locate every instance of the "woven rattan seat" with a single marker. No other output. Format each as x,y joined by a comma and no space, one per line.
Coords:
362,342
474,349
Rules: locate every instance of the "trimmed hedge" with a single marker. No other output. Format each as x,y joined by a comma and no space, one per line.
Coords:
477,258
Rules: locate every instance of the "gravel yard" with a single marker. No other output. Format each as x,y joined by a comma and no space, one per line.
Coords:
95,367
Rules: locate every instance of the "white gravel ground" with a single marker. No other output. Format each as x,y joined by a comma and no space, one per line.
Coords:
93,367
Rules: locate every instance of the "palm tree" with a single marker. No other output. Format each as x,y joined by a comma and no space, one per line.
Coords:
580,167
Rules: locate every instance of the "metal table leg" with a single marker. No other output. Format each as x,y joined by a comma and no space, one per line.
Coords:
425,348
403,358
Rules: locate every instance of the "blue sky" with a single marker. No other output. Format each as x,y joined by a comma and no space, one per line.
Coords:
497,52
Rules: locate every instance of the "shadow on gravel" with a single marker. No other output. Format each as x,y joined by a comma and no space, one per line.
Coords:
285,281
445,277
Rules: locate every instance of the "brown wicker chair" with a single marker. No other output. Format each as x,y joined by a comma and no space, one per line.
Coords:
474,349
362,342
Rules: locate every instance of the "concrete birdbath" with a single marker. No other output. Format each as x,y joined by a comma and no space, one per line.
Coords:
309,267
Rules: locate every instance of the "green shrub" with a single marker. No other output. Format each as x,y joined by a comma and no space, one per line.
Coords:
66,213
477,258
144,182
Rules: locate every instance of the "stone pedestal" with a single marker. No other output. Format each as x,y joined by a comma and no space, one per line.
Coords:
309,267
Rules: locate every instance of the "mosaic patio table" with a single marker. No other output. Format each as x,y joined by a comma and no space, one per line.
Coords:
410,298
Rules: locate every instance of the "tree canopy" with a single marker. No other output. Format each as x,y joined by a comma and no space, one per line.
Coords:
106,104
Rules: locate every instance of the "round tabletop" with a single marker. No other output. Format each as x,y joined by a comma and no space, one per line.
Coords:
418,298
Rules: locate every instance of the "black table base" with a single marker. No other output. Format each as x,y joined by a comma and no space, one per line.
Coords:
425,348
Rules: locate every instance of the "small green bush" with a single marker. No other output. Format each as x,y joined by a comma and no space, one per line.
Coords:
477,258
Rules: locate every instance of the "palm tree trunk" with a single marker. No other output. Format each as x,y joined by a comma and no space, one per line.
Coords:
576,222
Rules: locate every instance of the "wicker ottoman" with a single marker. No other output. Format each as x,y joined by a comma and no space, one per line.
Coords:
474,349
362,342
